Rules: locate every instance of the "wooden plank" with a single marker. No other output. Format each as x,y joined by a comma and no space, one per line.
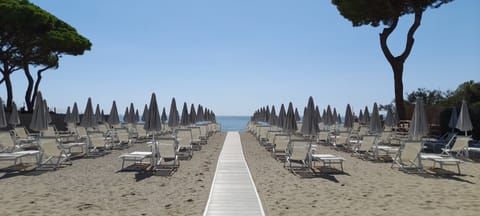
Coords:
233,191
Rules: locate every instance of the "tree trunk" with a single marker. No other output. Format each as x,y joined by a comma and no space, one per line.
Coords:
397,62
37,83
6,71
28,94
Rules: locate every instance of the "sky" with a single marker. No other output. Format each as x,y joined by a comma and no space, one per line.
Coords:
237,56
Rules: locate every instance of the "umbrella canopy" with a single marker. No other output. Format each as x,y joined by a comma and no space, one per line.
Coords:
290,120
47,114
173,117
132,117
193,115
88,118
75,114
113,118
282,116
126,115
3,118
39,118
164,117
137,116
273,117
153,123
68,116
453,119
375,124
200,116
14,117
297,115
185,119
419,124
310,120
464,122
366,115
390,119
318,115
145,113
360,117
328,117
98,114
348,117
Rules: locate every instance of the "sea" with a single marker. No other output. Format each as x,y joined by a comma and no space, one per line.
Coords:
233,123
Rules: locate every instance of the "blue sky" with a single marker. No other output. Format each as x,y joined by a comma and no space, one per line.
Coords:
236,56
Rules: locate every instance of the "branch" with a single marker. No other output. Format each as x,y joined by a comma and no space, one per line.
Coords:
384,37
411,32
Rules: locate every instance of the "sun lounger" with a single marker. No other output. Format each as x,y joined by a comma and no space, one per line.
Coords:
442,161
98,145
52,154
298,154
323,138
408,156
364,149
459,147
184,140
166,151
138,157
280,146
270,136
197,142
11,153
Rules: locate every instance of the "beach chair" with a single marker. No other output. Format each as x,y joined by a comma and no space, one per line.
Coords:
184,140
269,141
298,155
138,158
328,160
459,147
97,144
11,153
166,152
120,138
364,149
197,142
408,156
341,140
323,137
280,146
23,138
52,155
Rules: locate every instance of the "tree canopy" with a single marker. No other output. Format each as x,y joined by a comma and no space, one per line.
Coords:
31,36
388,12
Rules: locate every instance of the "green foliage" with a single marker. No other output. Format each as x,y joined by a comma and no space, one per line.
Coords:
376,12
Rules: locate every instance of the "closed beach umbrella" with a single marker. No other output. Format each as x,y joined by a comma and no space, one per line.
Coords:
137,116
464,122
153,123
75,114
131,115
452,123
14,117
297,115
282,116
113,118
348,117
419,124
173,117
366,115
98,114
390,119
39,118
184,120
360,117
200,116
68,116
145,113
273,117
290,120
193,114
310,120
375,124
88,118
47,114
3,118
126,116
164,117
328,121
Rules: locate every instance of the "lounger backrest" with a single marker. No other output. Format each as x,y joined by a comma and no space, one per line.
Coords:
281,142
103,128
363,131
342,138
123,135
203,130
20,132
461,142
263,132
385,137
6,141
82,132
50,132
322,136
299,149
167,147
271,134
141,130
49,147
410,151
184,137
196,134
96,139
367,143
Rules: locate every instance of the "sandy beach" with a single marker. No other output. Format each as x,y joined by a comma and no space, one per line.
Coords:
95,187
367,188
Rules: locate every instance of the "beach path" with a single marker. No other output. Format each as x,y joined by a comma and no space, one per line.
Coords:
233,191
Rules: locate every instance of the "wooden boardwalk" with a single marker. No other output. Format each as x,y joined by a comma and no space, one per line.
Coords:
233,191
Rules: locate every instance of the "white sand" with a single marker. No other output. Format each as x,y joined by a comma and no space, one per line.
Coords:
368,188
94,187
